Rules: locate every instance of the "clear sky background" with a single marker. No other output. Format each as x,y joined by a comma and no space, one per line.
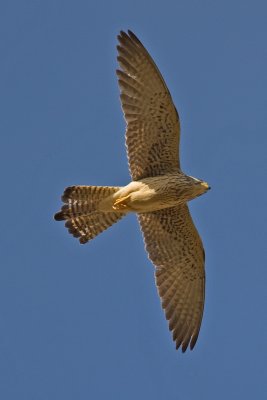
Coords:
85,322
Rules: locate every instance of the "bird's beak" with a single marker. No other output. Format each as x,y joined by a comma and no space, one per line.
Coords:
205,185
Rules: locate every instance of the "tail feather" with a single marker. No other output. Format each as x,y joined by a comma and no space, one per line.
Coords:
83,219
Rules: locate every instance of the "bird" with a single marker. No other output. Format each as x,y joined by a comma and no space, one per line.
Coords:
158,193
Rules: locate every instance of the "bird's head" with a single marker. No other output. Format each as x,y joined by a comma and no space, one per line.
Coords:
199,186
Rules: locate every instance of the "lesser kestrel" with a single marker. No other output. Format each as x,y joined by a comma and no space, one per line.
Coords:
158,193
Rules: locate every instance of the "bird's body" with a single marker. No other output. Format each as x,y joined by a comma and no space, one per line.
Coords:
154,193
158,193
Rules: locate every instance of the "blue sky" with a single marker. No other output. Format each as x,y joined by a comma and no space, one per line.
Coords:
85,322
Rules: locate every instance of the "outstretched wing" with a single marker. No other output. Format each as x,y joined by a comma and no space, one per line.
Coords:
175,248
153,129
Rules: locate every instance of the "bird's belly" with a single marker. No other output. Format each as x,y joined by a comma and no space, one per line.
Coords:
147,199
150,194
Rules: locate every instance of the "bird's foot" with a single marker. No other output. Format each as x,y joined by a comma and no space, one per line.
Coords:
121,204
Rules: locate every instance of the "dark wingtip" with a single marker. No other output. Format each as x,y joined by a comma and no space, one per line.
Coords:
132,35
178,343
121,35
184,347
193,341
134,38
59,216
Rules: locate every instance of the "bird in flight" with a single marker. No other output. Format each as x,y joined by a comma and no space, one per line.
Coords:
158,193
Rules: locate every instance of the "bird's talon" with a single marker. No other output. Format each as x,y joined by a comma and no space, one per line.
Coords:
121,203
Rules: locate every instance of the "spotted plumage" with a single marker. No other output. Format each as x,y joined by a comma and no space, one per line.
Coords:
158,193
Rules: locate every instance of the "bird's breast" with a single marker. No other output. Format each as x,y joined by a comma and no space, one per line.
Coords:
151,194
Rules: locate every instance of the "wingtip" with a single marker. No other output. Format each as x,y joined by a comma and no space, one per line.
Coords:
127,35
134,38
193,341
185,346
122,34
131,34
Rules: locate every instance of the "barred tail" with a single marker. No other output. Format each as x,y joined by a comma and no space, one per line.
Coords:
83,218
